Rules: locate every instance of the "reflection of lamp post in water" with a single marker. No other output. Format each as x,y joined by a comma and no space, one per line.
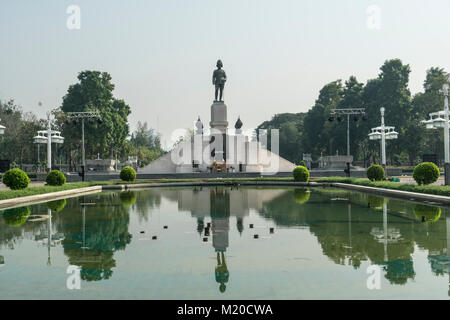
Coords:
83,226
52,239
441,263
386,236
349,206
49,235
385,231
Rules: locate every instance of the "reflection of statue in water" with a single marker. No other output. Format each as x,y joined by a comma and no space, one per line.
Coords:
219,78
220,218
222,274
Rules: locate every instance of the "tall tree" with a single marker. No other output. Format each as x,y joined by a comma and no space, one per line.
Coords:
317,136
423,103
17,143
145,144
94,91
389,90
351,98
290,131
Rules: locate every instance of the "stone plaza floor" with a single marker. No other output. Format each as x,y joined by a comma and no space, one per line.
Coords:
440,181
32,184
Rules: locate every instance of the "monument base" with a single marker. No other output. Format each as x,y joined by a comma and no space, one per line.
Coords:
219,116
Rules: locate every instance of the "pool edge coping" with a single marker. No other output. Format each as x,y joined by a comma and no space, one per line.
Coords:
44,197
407,195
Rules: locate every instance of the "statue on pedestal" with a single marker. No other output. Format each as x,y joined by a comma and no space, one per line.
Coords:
219,78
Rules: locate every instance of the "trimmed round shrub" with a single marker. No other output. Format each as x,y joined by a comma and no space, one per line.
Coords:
16,217
301,196
302,163
375,202
426,173
301,174
427,213
56,205
55,178
16,179
127,174
127,198
376,172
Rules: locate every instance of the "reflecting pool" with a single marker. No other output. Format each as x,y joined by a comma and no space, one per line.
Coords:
225,243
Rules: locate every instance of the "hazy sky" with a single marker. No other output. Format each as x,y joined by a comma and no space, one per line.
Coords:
161,54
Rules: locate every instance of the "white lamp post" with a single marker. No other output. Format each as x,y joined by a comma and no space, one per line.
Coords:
383,133
48,136
440,120
39,139
2,129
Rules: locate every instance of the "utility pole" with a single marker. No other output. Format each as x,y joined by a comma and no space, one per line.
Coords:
349,111
95,115
348,134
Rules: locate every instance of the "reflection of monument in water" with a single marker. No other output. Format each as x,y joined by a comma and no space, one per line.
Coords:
220,204
220,224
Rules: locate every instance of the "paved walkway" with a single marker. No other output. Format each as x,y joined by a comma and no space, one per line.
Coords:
32,184
440,181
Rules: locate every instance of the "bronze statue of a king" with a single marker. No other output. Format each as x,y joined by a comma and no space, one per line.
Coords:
219,78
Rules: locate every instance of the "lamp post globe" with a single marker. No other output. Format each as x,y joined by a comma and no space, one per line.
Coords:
2,129
383,133
48,136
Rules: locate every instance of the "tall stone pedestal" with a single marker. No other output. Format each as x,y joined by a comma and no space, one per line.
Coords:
219,126
219,116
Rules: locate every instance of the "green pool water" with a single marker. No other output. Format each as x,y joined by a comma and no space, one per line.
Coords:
325,244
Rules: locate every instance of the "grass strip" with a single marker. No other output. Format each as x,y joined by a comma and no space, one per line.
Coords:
31,191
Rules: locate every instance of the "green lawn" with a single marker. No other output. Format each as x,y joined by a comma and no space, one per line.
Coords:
31,191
